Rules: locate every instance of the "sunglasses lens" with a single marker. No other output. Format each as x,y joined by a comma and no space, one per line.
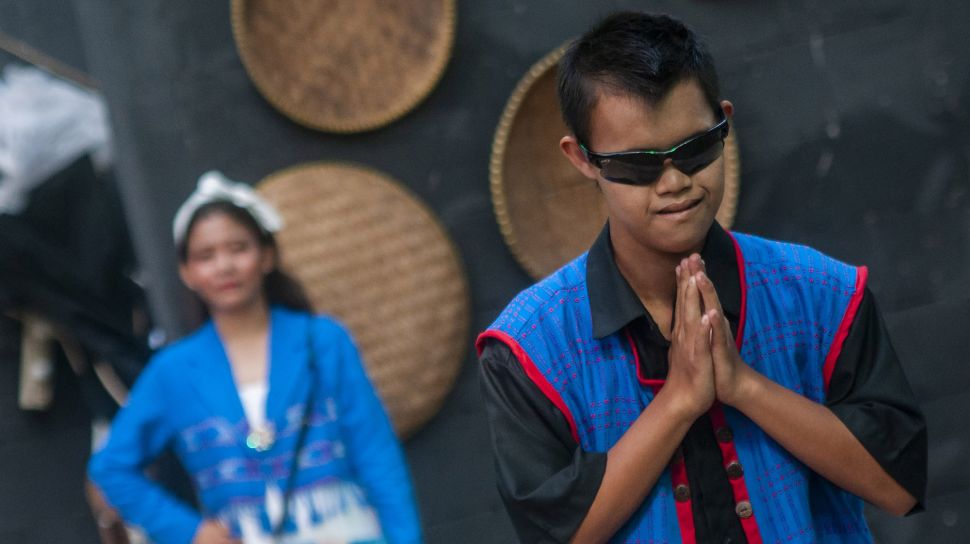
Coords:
699,157
631,170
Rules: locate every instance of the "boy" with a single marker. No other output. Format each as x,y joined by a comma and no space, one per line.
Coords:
678,382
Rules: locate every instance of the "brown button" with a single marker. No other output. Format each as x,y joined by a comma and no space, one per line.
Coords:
724,434
734,470
743,510
682,493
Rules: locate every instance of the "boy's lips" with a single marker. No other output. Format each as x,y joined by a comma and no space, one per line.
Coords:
678,207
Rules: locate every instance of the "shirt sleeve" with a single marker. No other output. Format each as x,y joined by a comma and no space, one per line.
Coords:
139,433
546,480
374,452
869,393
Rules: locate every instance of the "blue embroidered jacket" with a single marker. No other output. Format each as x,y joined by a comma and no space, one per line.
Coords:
797,306
351,466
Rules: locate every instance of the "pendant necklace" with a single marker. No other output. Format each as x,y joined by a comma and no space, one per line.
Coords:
261,437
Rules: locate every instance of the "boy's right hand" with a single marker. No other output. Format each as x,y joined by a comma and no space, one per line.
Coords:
690,379
211,531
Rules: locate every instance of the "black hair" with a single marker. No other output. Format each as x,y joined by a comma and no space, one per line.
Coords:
632,53
280,288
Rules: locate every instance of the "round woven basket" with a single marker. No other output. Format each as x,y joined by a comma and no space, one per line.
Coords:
344,66
372,255
547,211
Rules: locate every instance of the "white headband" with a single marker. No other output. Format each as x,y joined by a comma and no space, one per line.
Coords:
213,187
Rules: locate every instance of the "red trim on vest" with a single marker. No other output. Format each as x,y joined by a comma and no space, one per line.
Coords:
739,339
685,510
653,384
729,454
862,274
532,371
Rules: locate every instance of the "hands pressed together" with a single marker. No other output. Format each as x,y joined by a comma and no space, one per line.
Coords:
704,362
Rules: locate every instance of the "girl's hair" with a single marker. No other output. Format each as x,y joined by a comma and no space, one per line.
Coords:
279,287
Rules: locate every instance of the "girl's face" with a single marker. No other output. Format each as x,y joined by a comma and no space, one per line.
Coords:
225,264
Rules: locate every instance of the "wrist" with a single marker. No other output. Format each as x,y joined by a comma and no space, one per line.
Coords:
682,406
747,387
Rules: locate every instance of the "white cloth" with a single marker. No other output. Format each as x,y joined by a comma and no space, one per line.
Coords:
214,186
45,124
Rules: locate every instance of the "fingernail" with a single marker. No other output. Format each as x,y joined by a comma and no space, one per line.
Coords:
677,270
693,281
705,320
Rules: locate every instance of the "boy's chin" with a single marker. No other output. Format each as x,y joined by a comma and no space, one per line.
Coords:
685,241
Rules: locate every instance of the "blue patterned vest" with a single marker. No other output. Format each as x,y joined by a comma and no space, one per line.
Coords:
797,306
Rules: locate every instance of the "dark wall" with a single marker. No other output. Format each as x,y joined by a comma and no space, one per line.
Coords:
851,117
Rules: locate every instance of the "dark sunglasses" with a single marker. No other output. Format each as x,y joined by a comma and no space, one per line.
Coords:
644,167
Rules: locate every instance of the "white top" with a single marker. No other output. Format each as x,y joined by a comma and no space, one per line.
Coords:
253,397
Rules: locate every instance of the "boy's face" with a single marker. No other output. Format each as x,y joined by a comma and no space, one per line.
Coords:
672,214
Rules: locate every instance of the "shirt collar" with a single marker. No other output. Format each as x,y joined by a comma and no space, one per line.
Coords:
614,304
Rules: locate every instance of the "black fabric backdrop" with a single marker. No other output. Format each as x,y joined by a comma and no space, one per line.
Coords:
852,120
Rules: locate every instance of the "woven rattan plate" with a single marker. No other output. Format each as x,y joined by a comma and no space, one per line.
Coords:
372,255
342,65
547,211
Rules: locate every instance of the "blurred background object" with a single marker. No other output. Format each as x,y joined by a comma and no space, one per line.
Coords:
359,66
65,272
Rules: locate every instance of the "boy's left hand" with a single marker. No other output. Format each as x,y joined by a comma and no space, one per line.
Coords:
731,374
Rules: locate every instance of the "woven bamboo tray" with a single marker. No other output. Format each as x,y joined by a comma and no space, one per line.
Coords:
341,65
372,255
547,211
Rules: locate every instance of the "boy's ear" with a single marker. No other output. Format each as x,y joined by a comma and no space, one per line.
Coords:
570,148
728,108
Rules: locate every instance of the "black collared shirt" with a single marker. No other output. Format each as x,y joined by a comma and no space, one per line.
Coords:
548,482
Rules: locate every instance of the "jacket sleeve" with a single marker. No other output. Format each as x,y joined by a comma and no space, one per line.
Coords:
373,450
139,433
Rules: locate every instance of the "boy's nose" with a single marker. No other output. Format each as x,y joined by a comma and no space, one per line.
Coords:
672,180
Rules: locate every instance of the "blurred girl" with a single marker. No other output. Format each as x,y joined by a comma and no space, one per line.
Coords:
266,405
